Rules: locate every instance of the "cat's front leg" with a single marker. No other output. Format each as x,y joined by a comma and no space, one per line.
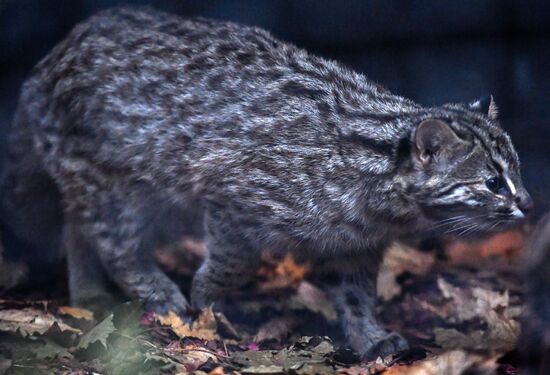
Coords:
230,263
351,285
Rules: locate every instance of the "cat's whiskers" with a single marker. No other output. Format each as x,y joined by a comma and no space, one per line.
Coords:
496,223
465,220
452,218
446,222
455,220
473,228
456,229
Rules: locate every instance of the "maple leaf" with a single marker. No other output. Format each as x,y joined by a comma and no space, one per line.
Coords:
51,350
204,327
99,333
281,274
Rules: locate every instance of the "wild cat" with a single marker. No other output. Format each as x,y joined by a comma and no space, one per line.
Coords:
144,121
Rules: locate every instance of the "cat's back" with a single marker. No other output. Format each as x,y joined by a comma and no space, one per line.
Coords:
138,89
143,56
127,77
131,34
142,53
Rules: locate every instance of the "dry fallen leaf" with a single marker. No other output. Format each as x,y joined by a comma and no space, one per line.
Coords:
314,368
285,273
464,306
397,260
289,268
307,351
76,312
374,367
194,246
217,371
453,339
474,303
277,328
195,358
204,327
225,328
488,300
508,245
99,333
502,332
29,321
309,297
486,305
450,363
354,370
388,287
263,369
183,257
500,336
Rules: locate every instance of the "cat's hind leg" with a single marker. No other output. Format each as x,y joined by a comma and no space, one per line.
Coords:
113,221
88,283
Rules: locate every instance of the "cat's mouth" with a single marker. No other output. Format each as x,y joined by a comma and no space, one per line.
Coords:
509,222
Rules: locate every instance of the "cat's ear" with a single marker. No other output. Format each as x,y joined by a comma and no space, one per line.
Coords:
485,105
435,141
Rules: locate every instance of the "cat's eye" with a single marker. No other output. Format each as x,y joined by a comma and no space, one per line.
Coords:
496,185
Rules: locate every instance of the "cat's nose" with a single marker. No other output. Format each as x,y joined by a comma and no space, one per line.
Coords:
524,201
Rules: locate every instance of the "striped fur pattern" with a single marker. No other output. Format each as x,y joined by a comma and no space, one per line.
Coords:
146,121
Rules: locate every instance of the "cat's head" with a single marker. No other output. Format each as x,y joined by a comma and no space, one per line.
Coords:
465,171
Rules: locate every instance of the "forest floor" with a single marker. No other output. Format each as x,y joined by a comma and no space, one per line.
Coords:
458,308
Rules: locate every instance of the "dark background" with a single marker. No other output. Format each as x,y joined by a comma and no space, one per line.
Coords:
430,51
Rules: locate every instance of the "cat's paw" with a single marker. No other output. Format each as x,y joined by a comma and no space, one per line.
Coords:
165,309
391,344
164,304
